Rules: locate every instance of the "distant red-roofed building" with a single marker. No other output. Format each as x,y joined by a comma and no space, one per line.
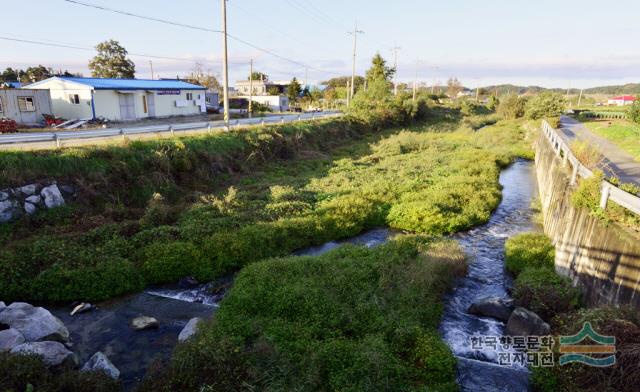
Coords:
621,100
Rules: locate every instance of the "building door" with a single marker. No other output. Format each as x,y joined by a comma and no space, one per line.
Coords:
151,104
127,107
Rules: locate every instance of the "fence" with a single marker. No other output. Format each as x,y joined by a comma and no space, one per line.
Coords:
604,115
58,137
608,190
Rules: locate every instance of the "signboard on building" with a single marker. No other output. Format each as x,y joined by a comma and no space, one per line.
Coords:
169,92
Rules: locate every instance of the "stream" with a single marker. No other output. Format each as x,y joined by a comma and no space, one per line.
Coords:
107,328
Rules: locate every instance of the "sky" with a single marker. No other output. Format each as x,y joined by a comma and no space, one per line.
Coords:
561,43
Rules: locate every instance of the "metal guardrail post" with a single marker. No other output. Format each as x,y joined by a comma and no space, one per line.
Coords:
604,198
574,173
238,124
171,130
565,158
208,127
262,122
282,119
122,133
299,117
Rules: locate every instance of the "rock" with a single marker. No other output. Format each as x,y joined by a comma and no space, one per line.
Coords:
8,210
30,209
36,324
497,308
10,338
52,196
524,322
188,283
100,363
81,308
2,306
28,190
4,195
190,329
35,199
144,322
67,189
478,376
52,353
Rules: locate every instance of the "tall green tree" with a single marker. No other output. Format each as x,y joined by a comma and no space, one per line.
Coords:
379,70
112,62
544,105
293,90
259,76
36,74
634,111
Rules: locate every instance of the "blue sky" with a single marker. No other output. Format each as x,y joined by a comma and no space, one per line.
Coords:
558,43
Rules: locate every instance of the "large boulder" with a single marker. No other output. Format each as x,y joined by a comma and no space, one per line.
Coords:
190,329
2,306
100,363
524,322
10,338
52,196
497,308
36,324
4,195
52,353
144,322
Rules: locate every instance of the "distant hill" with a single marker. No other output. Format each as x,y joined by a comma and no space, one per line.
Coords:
631,88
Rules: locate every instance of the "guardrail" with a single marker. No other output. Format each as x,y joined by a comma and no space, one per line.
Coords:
58,137
608,190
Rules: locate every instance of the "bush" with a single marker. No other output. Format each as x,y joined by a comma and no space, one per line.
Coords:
511,107
528,250
545,105
544,292
633,113
163,262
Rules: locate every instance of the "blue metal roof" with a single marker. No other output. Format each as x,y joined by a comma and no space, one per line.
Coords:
133,84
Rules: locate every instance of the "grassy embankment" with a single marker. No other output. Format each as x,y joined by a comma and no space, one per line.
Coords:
538,287
624,133
427,180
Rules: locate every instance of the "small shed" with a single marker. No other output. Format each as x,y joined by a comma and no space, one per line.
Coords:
26,107
122,99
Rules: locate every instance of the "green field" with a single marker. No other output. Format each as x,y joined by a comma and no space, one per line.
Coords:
623,133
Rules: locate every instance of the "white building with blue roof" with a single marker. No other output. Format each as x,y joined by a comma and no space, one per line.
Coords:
122,99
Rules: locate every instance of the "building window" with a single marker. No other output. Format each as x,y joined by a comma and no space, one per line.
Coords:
189,96
144,104
25,104
74,99
1,108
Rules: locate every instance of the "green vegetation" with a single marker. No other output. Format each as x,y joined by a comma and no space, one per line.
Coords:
530,258
354,319
623,133
634,112
545,105
512,107
19,373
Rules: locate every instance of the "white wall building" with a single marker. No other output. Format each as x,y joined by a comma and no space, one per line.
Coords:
25,107
623,100
277,103
122,99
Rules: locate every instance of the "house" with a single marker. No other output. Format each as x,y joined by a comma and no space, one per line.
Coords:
261,87
26,107
122,99
622,100
277,103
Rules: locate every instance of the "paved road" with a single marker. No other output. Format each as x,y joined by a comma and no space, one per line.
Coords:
617,162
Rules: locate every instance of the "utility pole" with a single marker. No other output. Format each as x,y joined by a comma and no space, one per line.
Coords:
306,77
415,81
395,50
580,98
477,93
351,91
225,65
348,94
151,64
251,89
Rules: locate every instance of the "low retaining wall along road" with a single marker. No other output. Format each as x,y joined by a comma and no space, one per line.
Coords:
604,260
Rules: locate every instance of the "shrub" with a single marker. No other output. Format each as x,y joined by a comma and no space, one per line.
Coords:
163,262
511,107
633,113
587,154
544,105
528,250
544,292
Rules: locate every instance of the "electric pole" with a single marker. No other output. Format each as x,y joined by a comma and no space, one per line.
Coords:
395,50
348,95
580,98
351,92
251,88
415,80
151,64
225,65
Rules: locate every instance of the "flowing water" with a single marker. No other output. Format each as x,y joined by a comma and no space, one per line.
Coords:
107,328
478,371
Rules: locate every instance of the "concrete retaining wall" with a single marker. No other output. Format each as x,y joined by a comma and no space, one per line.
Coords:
605,260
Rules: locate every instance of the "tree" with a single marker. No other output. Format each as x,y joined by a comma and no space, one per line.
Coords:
634,112
545,105
258,76
293,90
341,81
379,70
511,107
9,75
36,74
112,62
273,90
204,78
493,103
454,87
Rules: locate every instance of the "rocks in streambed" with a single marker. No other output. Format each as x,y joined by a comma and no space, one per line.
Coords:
523,322
101,363
52,353
144,322
494,307
2,306
10,338
34,323
479,376
81,308
190,329
188,283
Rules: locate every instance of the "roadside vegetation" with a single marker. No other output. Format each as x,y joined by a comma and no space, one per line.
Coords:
623,133
530,258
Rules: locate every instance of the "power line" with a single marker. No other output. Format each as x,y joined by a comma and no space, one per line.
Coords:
178,24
